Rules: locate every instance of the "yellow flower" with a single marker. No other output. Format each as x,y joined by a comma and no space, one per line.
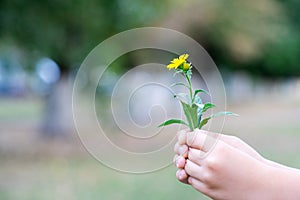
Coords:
176,62
186,66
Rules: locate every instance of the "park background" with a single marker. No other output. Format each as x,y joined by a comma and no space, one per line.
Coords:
255,44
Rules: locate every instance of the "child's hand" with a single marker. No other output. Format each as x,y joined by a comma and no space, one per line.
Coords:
227,171
232,169
181,150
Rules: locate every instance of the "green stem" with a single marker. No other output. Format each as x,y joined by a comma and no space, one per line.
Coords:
190,87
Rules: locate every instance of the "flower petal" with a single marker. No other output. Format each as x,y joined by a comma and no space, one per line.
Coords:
183,56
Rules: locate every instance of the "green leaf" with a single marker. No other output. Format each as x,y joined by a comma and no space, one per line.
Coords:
199,105
195,97
172,121
202,108
204,122
207,106
199,117
197,100
200,91
187,115
190,113
224,113
194,114
199,112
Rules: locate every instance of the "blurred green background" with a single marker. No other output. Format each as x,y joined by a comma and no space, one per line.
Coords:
255,44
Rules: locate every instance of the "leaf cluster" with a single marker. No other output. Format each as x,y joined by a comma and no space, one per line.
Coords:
192,105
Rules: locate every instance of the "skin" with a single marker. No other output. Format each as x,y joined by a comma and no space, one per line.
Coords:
232,170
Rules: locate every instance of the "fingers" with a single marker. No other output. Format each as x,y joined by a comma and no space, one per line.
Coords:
191,145
181,149
182,176
194,170
179,161
196,156
181,136
198,185
201,139
196,139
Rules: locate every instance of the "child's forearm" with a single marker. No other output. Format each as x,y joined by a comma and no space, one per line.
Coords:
278,165
284,183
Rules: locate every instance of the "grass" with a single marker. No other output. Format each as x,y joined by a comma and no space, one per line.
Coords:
17,110
32,169
87,179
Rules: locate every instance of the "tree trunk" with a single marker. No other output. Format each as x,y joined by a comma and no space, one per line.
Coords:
57,120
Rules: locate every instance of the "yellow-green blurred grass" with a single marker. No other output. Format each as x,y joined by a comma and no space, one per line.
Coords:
34,168
87,179
20,109
271,125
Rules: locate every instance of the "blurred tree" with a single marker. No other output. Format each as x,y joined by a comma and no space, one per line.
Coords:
65,31
258,36
282,57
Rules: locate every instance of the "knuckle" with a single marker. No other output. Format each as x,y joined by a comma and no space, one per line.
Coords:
207,177
191,138
183,150
192,155
182,138
212,163
189,169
